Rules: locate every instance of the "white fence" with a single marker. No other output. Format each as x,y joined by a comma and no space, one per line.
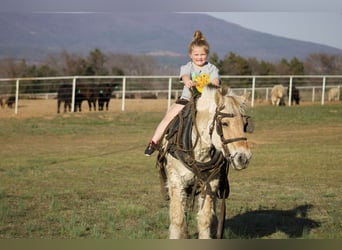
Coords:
312,88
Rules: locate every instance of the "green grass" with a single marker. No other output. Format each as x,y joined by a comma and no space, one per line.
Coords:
85,176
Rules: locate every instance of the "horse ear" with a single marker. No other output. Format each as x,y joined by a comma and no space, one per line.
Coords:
223,90
219,96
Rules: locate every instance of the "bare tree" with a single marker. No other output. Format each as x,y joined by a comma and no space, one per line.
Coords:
8,68
133,64
322,63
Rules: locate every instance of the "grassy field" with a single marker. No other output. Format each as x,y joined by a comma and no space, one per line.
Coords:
75,176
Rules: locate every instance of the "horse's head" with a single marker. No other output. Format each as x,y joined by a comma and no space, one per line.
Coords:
225,124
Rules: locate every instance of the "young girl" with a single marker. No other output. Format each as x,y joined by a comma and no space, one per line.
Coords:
196,73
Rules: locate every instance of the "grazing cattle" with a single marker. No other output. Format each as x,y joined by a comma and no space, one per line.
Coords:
295,97
104,94
64,95
334,94
278,94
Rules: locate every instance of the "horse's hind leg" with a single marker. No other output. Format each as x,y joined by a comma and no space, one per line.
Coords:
178,226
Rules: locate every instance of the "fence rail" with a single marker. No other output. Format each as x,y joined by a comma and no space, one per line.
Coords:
259,86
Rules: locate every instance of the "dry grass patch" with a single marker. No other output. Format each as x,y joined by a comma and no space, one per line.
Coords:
85,176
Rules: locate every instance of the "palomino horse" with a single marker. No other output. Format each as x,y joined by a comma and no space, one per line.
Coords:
217,141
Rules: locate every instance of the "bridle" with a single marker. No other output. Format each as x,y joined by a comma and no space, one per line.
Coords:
217,120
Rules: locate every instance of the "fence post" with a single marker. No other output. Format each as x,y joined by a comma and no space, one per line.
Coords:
16,96
73,94
253,92
123,93
323,90
169,93
313,94
290,91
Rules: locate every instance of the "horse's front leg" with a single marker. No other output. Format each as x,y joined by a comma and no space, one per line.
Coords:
178,223
206,216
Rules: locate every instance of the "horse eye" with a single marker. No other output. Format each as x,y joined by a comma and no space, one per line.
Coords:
225,124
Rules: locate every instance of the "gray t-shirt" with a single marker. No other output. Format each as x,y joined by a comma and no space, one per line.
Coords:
190,69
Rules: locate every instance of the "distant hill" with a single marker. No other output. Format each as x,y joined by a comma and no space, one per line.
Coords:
32,36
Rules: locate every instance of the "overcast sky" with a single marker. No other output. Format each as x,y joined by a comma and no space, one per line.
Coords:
174,5
318,21
318,27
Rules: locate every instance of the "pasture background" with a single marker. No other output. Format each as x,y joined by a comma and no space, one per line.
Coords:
84,175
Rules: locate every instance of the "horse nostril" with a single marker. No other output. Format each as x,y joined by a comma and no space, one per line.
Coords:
243,160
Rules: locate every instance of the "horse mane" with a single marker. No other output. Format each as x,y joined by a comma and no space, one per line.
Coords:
209,94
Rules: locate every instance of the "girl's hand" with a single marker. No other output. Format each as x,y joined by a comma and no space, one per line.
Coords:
216,82
189,84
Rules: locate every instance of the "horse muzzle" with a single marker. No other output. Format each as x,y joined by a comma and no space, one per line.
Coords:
240,160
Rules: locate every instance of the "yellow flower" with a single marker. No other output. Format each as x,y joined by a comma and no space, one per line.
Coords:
201,80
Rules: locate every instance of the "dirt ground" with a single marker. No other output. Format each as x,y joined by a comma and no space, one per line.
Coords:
48,107
36,108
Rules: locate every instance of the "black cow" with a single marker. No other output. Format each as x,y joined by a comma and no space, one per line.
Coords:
85,92
10,101
64,94
295,97
105,93
82,92
7,100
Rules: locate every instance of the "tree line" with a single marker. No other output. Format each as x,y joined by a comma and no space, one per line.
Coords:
98,63
314,64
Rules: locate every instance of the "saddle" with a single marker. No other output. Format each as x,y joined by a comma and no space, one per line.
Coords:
180,145
179,132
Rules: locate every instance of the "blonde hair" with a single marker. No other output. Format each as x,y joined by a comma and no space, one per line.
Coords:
198,40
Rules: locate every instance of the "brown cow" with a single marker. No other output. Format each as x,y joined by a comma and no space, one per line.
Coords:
85,92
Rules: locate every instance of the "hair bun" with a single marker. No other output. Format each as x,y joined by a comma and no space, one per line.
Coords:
198,36
198,40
